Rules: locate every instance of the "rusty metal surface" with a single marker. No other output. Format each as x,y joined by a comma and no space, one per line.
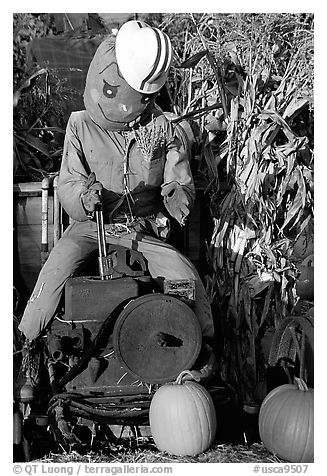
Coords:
156,337
88,297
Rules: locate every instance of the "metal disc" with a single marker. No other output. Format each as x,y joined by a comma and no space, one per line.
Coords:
156,337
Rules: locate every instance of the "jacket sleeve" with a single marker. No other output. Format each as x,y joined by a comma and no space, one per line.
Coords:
73,175
177,166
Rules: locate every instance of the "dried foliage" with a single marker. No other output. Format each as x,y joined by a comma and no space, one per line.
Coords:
26,26
39,125
39,100
248,79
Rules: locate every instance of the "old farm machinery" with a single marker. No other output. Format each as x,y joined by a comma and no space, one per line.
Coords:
114,340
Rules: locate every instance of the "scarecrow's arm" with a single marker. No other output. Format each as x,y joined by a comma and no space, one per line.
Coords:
73,177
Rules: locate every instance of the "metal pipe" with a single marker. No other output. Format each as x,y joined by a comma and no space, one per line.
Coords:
44,214
56,211
46,183
100,238
105,264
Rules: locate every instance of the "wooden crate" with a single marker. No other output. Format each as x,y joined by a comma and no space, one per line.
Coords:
27,231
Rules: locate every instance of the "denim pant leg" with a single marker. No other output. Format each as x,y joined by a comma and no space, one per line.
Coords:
76,244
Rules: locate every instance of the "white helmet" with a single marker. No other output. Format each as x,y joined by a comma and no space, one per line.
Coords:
144,55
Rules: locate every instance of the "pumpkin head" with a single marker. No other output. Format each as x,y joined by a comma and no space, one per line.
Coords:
286,422
118,92
108,98
182,418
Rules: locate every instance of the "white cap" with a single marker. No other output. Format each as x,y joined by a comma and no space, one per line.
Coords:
143,55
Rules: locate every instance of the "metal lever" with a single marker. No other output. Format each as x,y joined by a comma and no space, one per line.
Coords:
105,262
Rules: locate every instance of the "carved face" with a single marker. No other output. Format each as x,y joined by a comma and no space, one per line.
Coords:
108,99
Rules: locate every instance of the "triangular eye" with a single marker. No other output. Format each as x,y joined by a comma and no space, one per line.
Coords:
108,90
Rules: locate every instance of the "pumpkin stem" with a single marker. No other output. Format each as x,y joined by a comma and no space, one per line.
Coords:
179,379
301,384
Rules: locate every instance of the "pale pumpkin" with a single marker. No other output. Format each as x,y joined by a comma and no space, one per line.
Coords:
286,422
182,418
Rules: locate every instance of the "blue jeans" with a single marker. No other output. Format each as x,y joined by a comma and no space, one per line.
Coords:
71,251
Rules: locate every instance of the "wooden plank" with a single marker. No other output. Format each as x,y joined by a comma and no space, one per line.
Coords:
27,222
29,188
28,210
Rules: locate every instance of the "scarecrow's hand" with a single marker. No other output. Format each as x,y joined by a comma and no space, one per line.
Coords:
91,193
176,201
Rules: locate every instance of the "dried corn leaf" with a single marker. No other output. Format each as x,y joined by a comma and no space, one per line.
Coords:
210,160
295,107
274,116
256,284
218,236
28,85
245,299
193,60
298,202
266,304
252,186
35,143
286,179
282,341
239,256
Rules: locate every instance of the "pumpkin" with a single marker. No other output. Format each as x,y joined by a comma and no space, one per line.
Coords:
182,418
286,422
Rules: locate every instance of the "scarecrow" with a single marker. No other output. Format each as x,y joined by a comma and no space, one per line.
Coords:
123,151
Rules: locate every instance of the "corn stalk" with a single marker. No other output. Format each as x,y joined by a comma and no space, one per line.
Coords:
269,204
